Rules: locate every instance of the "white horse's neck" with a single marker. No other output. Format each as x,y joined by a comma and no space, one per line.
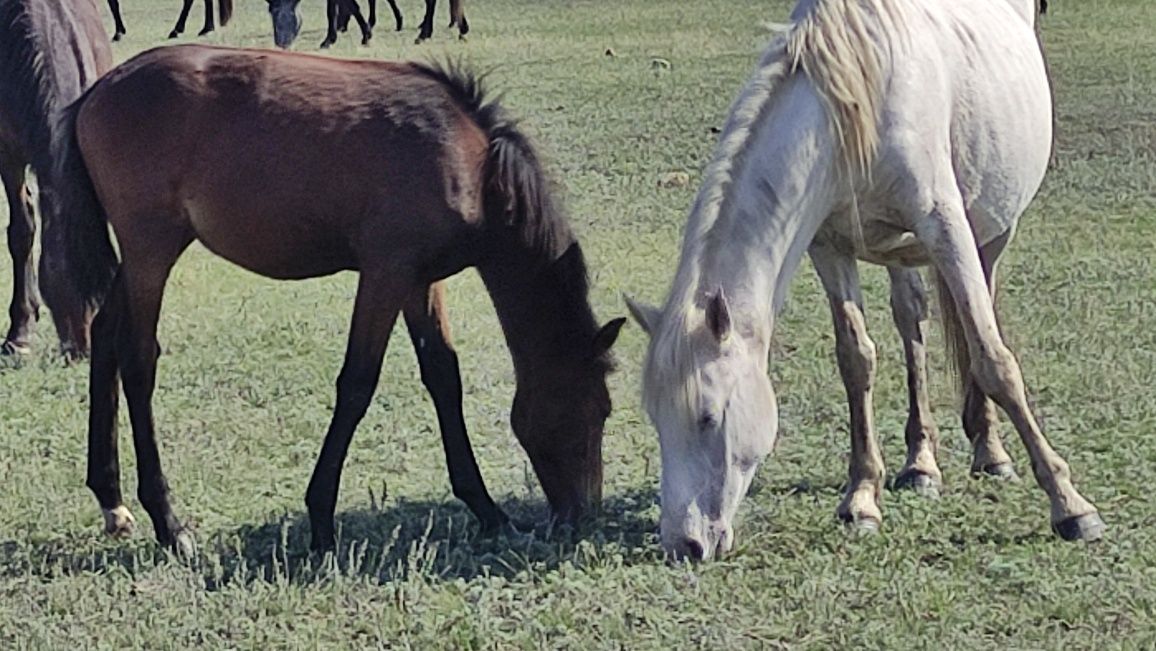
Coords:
753,221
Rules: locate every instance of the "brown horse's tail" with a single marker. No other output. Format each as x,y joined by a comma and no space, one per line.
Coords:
225,11
90,261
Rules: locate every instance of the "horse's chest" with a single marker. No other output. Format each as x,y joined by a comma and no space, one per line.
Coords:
874,233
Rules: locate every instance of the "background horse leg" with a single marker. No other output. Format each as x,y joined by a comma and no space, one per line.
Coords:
856,356
114,7
381,293
331,18
458,17
946,233
429,330
180,26
909,309
209,26
366,32
426,29
103,397
396,13
25,306
144,270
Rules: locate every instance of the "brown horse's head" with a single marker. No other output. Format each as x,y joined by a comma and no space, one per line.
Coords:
558,415
286,21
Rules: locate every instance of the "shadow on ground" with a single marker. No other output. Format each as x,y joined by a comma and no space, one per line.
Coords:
432,540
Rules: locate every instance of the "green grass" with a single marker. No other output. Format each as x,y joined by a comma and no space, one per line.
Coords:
246,387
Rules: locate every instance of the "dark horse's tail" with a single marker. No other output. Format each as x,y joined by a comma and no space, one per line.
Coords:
225,11
90,260
518,197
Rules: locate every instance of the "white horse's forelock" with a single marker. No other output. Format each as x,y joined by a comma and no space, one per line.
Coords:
830,41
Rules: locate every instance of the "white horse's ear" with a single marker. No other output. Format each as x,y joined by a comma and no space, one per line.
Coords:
718,315
646,316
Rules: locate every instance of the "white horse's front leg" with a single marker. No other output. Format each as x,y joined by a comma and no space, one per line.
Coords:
948,237
909,309
856,355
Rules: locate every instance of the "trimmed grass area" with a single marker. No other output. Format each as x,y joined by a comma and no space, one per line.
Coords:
246,387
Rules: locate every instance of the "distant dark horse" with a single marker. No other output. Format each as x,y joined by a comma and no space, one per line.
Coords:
225,9
305,166
50,51
287,20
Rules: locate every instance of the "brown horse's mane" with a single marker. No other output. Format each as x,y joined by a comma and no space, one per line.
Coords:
532,243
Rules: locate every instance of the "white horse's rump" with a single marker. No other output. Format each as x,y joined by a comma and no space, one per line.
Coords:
895,131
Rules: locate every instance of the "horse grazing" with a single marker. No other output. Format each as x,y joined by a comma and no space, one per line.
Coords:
225,10
307,166
50,51
891,131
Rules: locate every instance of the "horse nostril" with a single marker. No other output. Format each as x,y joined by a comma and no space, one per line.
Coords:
695,550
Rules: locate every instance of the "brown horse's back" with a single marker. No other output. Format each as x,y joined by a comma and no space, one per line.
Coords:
325,163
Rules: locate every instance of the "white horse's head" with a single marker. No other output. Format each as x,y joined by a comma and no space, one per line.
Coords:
706,389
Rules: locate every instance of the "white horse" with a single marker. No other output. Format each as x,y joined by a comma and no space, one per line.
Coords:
899,132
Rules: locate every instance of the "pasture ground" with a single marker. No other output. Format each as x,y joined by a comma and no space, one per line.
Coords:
246,387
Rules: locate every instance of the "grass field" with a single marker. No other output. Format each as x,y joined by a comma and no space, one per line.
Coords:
246,387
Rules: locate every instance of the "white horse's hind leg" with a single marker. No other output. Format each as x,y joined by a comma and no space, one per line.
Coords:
909,309
856,355
979,418
947,235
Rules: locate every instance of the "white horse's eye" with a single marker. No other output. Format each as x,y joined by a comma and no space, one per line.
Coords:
707,421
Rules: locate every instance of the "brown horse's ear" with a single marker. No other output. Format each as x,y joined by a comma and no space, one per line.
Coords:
607,335
645,315
718,316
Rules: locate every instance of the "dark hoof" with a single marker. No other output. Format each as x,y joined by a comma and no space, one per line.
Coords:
1004,471
1081,527
325,44
174,34
918,481
365,40
116,37
204,31
14,348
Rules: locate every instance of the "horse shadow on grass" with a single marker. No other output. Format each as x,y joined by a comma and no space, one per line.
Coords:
424,540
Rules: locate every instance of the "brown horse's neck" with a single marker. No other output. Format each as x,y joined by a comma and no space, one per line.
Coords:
540,294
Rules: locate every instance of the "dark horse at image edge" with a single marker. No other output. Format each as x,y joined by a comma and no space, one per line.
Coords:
306,166
50,51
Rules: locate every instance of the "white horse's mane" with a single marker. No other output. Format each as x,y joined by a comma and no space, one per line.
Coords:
840,46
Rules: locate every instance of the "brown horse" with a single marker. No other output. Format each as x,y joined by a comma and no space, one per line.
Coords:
225,10
306,166
50,51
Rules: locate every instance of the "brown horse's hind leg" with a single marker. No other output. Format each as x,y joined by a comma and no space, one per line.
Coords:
909,310
25,306
103,392
429,330
142,277
380,296
180,26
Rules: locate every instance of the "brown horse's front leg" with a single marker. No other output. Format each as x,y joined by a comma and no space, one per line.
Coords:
380,296
25,306
429,330
179,28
